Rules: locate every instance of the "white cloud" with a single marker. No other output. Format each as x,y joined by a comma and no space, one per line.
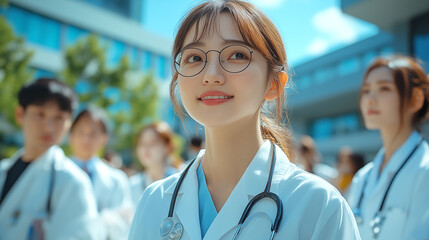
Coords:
333,28
267,3
335,25
318,46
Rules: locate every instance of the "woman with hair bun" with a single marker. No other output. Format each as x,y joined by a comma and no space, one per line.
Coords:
389,196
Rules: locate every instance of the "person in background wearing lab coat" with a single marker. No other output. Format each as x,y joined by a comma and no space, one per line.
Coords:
229,60
88,135
309,160
154,147
43,194
390,195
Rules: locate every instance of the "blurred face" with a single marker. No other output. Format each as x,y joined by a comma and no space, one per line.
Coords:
216,97
345,164
87,138
151,149
43,126
380,100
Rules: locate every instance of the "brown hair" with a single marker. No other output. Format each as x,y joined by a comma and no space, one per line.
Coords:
407,75
258,32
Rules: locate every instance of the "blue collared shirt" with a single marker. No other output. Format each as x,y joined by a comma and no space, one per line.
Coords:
207,209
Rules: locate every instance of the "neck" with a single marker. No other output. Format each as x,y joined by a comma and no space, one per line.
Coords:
156,172
32,153
392,141
230,150
83,157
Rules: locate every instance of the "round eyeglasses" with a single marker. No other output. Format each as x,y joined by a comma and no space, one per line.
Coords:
191,61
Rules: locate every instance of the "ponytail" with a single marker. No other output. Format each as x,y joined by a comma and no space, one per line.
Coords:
278,134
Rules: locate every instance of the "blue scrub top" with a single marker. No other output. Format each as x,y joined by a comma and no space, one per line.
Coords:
207,209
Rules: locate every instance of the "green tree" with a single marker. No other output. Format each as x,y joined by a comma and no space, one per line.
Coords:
129,98
14,72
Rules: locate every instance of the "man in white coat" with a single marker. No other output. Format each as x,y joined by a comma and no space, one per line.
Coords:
43,194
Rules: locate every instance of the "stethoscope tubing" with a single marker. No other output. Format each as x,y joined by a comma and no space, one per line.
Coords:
265,194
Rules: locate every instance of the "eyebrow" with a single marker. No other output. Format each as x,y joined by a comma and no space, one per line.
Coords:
225,42
382,81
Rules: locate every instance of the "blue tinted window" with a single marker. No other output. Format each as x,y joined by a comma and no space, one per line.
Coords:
18,19
420,39
349,66
73,34
82,87
346,124
322,128
324,74
52,34
116,51
146,61
162,73
34,31
43,73
134,56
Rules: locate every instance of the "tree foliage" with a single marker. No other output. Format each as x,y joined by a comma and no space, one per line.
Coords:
129,98
14,71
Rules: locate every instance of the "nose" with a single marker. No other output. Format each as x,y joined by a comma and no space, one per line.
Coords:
213,74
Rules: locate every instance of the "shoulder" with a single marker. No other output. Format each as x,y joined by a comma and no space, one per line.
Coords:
309,186
110,172
363,172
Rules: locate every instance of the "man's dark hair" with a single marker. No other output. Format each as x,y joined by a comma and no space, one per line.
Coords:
45,90
95,113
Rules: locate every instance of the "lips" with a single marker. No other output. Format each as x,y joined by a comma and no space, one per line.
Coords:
373,112
214,97
47,138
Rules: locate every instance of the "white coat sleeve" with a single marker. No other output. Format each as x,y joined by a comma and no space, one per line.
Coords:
336,222
117,217
74,212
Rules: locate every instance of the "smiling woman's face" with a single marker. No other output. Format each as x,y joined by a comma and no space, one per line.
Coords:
242,93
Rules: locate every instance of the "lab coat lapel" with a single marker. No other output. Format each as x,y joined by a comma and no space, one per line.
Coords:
251,183
379,187
26,181
186,207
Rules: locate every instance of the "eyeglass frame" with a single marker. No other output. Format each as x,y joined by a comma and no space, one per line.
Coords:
220,62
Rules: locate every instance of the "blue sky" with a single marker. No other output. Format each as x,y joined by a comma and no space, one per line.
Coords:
309,28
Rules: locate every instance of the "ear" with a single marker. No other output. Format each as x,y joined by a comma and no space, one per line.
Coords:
105,139
19,114
273,91
417,100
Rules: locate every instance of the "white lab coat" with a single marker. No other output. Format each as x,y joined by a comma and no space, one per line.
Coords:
73,207
408,198
113,196
312,208
140,181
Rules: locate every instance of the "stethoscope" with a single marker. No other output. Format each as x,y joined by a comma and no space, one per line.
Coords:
172,229
377,222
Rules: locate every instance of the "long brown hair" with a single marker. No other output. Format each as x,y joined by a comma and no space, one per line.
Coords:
407,75
258,32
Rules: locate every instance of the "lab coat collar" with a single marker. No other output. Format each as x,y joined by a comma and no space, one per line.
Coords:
42,164
376,182
251,183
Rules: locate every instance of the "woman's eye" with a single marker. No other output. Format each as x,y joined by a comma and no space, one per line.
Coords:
193,59
365,91
384,89
238,56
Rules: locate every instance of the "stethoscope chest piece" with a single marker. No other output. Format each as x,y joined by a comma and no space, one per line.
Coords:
171,229
376,223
